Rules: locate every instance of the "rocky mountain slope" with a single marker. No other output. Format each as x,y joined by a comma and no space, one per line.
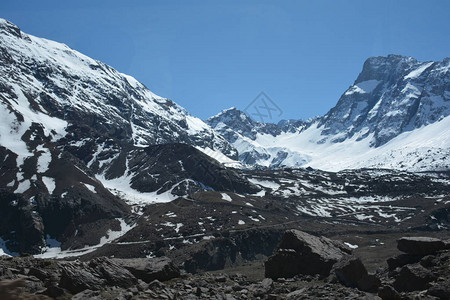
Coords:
85,150
72,127
395,115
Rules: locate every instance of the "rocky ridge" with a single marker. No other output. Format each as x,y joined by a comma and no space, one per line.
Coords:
158,278
393,100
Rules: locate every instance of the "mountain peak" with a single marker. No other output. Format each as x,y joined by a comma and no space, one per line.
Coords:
6,27
230,115
382,67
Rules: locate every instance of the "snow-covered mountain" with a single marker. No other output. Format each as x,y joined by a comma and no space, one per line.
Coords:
53,96
83,146
72,127
395,115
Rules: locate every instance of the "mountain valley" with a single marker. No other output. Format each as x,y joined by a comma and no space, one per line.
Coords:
99,174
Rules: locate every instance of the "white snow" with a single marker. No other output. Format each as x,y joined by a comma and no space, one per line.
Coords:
351,246
417,72
195,125
122,188
49,183
54,249
4,250
265,183
44,160
351,153
23,186
363,87
225,197
220,157
240,222
253,219
90,187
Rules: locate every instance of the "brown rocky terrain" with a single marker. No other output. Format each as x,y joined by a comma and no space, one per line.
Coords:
304,266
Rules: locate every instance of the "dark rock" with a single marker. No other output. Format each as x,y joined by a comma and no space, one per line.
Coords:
38,273
440,290
76,277
156,284
113,273
149,269
420,245
302,253
413,278
54,291
264,288
447,244
387,292
221,278
369,283
428,261
400,260
87,294
349,271
295,294
10,289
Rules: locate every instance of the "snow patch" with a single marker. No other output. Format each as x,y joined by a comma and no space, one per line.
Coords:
225,197
49,183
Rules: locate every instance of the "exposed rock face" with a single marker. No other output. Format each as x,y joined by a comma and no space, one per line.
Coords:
77,277
420,245
182,169
302,253
351,272
69,122
149,269
392,95
413,278
100,272
387,292
401,260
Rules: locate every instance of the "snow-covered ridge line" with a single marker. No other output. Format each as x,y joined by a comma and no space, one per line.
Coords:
381,121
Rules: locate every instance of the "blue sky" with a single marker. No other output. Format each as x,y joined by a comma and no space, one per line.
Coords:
211,55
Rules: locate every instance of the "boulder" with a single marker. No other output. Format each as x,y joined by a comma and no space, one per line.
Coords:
440,290
10,289
351,272
302,253
77,277
370,283
413,278
149,269
95,275
113,273
387,292
420,245
401,260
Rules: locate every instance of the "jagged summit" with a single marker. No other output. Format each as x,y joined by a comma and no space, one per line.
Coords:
74,141
7,27
393,97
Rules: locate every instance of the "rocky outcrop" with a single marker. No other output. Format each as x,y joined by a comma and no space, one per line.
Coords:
413,278
424,271
59,278
100,272
351,272
149,269
420,246
302,253
392,95
400,260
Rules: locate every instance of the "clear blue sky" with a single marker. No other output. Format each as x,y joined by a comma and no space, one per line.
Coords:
211,55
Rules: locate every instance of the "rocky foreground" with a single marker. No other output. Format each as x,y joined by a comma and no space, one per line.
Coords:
303,267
